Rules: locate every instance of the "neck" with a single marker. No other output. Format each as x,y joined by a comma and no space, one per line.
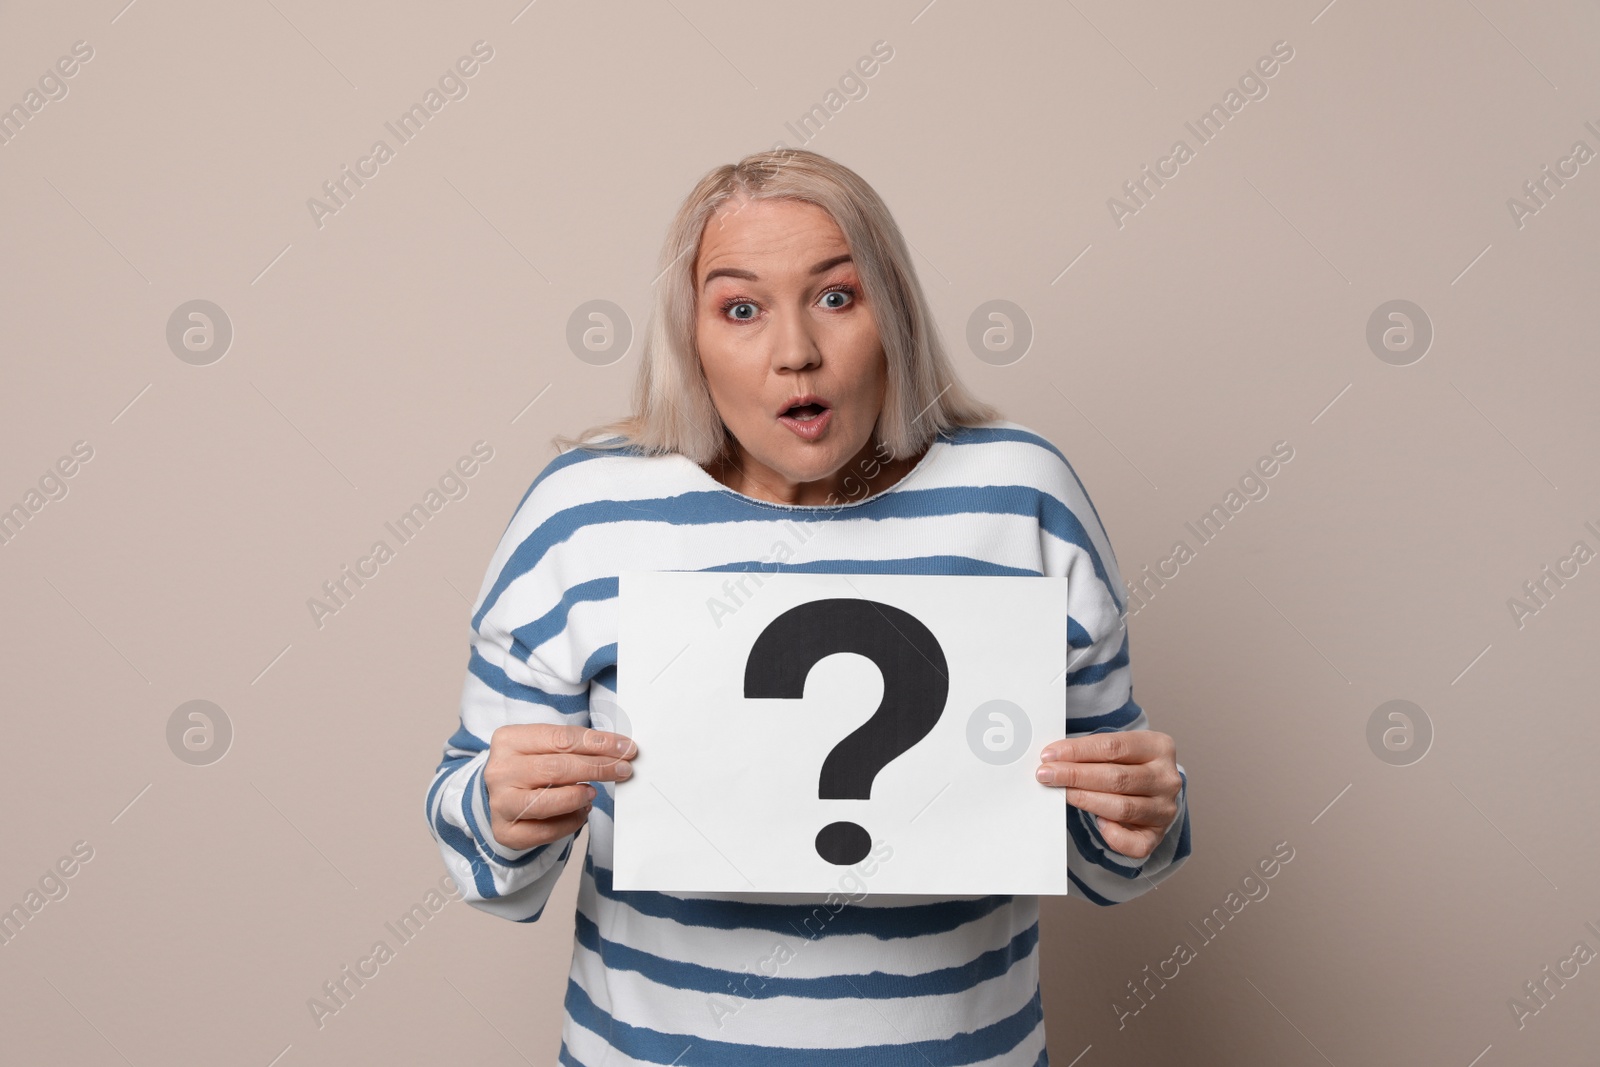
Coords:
866,473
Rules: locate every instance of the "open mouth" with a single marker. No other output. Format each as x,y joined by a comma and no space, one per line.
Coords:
807,415
805,412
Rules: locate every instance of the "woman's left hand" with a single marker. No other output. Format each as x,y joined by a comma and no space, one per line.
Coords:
1129,778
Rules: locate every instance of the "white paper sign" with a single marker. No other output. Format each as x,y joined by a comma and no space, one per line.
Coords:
790,722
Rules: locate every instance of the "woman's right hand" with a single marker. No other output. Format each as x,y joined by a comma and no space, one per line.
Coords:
536,775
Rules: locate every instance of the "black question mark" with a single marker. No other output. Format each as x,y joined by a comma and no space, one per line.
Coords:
915,684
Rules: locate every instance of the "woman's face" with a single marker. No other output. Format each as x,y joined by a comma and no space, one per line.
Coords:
779,314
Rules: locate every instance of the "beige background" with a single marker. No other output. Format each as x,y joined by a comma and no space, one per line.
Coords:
368,354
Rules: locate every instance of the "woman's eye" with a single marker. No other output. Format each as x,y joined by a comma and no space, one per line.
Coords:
833,300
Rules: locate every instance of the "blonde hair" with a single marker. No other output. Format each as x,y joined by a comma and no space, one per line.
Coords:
673,410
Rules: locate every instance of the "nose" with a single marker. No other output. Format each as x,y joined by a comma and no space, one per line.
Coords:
793,346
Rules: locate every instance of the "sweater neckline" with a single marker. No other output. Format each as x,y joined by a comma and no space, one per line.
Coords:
700,473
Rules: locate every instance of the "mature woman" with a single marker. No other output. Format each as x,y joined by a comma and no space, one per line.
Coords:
792,374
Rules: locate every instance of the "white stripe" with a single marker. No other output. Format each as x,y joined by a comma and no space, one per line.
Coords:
786,1021
592,1050
832,953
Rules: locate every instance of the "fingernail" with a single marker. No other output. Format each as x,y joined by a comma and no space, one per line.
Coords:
592,792
623,744
1044,774
624,769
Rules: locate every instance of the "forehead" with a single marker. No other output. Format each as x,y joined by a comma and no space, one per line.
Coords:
768,236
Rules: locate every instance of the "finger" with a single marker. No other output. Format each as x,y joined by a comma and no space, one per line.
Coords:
512,805
1115,746
1144,779
564,768
536,737
1133,842
1132,811
528,833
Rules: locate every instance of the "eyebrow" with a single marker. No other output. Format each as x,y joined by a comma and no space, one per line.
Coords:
735,272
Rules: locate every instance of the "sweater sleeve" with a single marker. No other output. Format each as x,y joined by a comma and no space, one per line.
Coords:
523,666
1100,699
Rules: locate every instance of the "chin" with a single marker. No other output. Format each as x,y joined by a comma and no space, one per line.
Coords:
807,461
808,465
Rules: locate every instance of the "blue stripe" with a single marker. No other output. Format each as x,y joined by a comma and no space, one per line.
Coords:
482,878
554,872
477,785
1096,672
1083,887
946,564
886,923
1183,835
958,435
1095,854
602,663
464,740
1077,636
656,1046
554,621
1183,829
711,506
1087,819
464,845
497,679
1088,840
1092,844
448,832
602,800
563,524
1183,850
1111,720
532,635
449,761
977,435
560,463
874,985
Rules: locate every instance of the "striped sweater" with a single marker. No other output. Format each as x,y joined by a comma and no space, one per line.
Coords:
781,979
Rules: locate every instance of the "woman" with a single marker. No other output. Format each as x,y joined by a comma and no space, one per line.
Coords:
792,373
